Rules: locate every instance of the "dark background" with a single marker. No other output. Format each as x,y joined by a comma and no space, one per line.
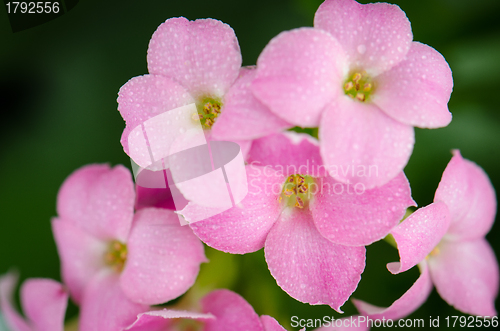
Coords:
58,89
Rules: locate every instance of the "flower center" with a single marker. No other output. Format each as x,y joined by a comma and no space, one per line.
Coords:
208,110
116,255
296,191
359,86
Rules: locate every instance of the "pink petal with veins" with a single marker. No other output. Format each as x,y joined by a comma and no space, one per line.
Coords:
419,234
105,307
361,144
81,254
298,73
164,320
288,153
99,200
346,215
375,36
231,312
44,302
202,55
466,275
243,116
141,99
470,197
244,228
309,267
417,90
163,258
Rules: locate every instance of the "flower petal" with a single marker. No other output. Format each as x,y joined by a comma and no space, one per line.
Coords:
375,36
288,153
410,301
360,144
202,55
298,73
470,197
466,276
105,307
243,116
159,320
270,324
417,90
12,318
163,258
44,302
98,199
348,215
244,228
419,234
142,98
309,267
82,256
231,312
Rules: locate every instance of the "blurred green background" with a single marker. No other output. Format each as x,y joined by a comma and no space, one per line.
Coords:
58,89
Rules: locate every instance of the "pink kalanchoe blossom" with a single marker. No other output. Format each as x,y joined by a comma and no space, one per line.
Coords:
111,257
313,228
44,303
196,62
223,310
357,76
449,237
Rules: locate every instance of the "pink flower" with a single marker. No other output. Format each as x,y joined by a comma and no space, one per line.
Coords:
44,303
111,257
360,78
447,239
313,228
196,62
223,310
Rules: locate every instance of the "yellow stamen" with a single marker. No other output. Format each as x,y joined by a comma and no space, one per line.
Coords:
360,97
359,86
299,203
295,191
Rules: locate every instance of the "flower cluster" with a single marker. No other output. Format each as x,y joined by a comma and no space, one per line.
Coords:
313,201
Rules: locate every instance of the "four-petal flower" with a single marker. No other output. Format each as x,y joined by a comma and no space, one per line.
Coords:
111,257
360,78
313,228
